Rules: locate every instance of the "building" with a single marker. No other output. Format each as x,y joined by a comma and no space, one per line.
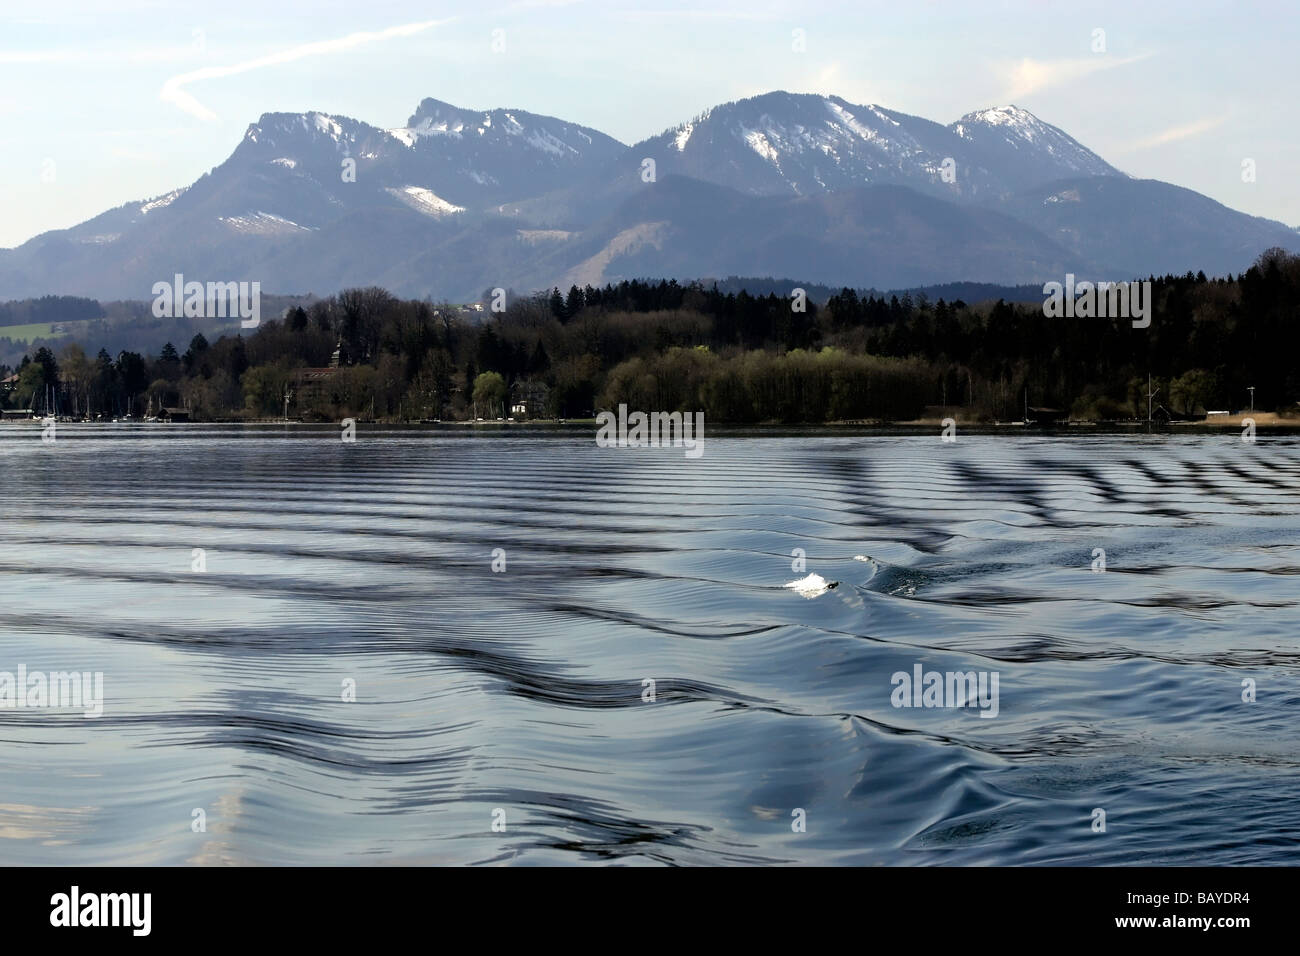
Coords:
528,398
173,415
312,391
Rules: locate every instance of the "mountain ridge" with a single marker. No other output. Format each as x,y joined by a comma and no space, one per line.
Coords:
459,200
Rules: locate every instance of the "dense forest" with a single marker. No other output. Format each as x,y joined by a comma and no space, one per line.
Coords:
49,308
738,357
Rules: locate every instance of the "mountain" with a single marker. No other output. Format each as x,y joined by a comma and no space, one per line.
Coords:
783,143
785,184
886,236
286,209
804,144
1024,150
792,143
445,160
1156,228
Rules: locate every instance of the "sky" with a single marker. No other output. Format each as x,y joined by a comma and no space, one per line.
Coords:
104,103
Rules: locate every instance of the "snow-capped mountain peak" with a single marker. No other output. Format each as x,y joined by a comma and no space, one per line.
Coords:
1016,139
1010,115
806,143
434,119
273,128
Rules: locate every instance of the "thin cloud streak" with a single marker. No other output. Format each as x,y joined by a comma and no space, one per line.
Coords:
1175,133
173,90
1026,76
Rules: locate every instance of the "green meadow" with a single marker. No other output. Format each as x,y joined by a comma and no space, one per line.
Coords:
41,330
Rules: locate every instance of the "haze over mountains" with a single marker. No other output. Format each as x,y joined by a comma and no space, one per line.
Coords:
788,185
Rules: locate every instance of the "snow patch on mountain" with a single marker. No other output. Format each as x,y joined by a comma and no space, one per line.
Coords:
850,122
884,116
760,144
262,224
1065,195
291,127
404,136
425,200
1021,121
325,124
541,139
161,201
455,130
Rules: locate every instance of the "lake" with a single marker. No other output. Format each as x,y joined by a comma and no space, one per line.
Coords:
308,656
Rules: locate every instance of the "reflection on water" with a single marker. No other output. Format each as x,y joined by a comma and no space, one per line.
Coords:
641,683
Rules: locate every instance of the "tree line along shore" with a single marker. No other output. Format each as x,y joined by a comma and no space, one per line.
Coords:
1217,348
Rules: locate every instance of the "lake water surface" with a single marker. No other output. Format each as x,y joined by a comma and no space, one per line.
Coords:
506,716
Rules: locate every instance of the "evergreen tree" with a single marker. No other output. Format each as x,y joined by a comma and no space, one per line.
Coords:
574,302
45,359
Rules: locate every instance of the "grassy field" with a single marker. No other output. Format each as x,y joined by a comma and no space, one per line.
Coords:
41,330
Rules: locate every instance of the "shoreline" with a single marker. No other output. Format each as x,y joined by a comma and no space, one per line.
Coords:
1269,422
